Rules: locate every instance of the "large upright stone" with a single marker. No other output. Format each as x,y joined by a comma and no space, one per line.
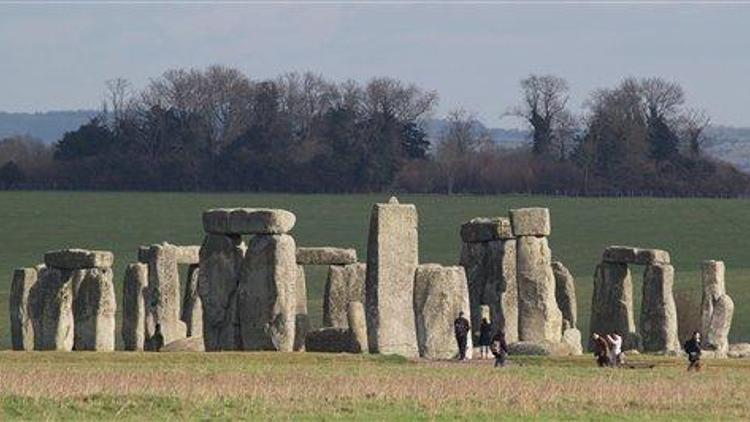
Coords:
326,256
345,283
192,307
52,310
74,259
21,324
134,306
94,307
612,303
392,257
267,297
717,308
658,311
163,296
539,318
358,326
491,273
221,259
301,320
531,222
440,294
565,293
248,221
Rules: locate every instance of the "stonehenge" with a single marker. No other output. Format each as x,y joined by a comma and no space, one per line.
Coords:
717,308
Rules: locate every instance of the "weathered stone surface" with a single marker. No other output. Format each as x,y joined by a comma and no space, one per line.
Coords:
712,276
189,255
326,256
358,326
163,297
540,348
531,222
21,325
485,313
134,306
51,303
612,304
392,257
218,281
73,259
192,307
658,326
345,283
572,337
491,273
483,229
739,350
248,221
440,293
717,308
631,255
717,335
301,321
94,308
565,293
267,298
539,318
331,340
189,344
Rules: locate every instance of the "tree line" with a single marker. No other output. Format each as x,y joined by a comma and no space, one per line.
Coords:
216,129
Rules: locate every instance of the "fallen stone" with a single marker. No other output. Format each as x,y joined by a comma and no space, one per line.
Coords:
74,259
221,259
358,326
658,326
531,222
267,298
192,307
248,221
539,318
134,307
331,340
326,256
440,294
572,337
612,304
94,308
542,348
565,293
163,299
51,303
482,229
392,257
491,273
345,283
189,344
739,350
301,321
21,324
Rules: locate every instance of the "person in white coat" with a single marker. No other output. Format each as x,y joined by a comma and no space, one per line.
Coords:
615,349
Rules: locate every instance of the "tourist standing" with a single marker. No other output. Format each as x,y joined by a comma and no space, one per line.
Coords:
461,329
615,349
485,338
499,348
601,350
693,350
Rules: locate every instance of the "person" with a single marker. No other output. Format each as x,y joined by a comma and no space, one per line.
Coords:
499,348
616,356
601,350
485,338
461,329
693,349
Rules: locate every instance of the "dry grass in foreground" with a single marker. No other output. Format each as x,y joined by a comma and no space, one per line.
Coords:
302,386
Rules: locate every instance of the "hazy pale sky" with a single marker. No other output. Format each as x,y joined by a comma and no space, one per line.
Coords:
58,56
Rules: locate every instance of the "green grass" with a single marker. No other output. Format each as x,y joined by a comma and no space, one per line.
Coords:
691,229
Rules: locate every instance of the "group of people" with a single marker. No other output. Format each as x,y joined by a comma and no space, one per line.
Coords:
488,343
608,349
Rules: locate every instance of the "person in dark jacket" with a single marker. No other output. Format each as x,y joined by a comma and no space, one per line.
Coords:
601,350
693,349
499,348
461,328
485,338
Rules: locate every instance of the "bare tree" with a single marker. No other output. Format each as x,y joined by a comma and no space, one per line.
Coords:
391,97
693,124
117,97
461,139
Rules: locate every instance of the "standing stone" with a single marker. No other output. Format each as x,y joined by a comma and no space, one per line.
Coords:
721,323
539,318
565,293
21,325
658,310
221,259
345,283
94,307
192,308
491,272
358,326
440,293
52,310
134,307
163,296
572,338
612,303
301,320
267,298
392,257
717,308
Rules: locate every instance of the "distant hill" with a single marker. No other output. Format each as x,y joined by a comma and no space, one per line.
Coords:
510,138
731,144
47,126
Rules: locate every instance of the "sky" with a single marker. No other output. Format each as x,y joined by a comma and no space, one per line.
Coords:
58,55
